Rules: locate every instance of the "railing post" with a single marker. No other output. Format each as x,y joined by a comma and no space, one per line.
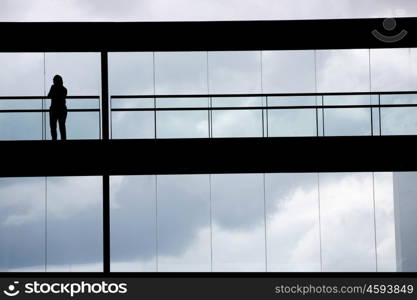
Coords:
106,177
104,95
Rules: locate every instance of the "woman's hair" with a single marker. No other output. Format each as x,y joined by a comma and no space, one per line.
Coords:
58,80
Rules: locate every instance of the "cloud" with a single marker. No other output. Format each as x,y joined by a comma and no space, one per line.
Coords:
182,234
163,10
180,224
72,230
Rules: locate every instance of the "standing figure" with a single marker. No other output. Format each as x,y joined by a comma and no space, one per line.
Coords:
58,109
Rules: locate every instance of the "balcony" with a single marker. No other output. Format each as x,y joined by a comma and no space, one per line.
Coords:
254,130
217,116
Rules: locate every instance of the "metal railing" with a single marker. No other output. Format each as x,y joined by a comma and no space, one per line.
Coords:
266,105
43,109
320,107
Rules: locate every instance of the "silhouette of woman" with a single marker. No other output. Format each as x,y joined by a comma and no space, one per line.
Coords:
58,109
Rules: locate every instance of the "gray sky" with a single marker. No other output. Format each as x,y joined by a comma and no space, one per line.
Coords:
162,10
183,203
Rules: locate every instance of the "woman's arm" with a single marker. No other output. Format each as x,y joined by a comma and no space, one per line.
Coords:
50,92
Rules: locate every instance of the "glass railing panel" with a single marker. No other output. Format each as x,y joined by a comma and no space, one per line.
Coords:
83,118
399,120
292,122
238,122
179,123
128,122
347,121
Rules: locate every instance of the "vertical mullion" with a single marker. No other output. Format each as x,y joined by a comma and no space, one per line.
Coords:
105,94
267,116
372,118
379,114
106,223
317,117
43,99
211,117
322,113
154,93
263,118
106,177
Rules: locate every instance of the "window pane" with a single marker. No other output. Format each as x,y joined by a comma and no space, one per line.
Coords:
79,125
238,222
21,74
20,104
181,73
385,222
292,122
293,232
132,103
182,102
288,72
182,124
241,123
234,72
343,70
133,125
131,73
133,223
347,222
21,126
237,123
394,69
81,103
399,120
22,224
405,208
347,121
184,234
80,72
81,75
74,224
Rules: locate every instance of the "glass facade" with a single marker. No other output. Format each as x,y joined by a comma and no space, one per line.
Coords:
31,75
51,224
272,222
214,94
279,76
278,222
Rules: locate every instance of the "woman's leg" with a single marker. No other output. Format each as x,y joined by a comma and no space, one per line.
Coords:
52,123
62,129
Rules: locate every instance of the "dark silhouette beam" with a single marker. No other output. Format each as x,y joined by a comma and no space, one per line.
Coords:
201,156
217,35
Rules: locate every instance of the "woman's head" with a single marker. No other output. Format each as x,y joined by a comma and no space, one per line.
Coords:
58,80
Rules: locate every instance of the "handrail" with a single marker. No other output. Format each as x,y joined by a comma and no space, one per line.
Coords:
263,107
89,97
262,95
47,110
374,105
45,97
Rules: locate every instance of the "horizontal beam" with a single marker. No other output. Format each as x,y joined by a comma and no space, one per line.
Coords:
47,110
310,107
201,36
201,156
45,97
295,95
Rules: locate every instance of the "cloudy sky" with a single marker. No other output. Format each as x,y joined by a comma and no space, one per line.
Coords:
162,10
198,222
295,222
